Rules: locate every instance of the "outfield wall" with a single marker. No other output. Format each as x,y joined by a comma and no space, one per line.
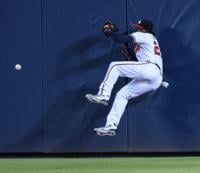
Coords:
64,55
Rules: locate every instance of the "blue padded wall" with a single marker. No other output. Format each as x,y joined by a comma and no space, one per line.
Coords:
167,120
21,91
64,55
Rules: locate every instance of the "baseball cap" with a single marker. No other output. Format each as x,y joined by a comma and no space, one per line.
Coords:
144,24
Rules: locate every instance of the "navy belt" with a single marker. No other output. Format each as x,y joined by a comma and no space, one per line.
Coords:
154,64
157,66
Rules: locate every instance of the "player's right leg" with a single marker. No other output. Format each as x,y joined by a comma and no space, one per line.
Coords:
133,89
108,130
146,79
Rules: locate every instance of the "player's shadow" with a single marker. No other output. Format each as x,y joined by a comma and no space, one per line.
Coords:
181,65
78,56
83,55
70,108
70,120
179,104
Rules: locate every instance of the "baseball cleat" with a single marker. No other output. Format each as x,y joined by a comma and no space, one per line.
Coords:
99,99
107,133
108,130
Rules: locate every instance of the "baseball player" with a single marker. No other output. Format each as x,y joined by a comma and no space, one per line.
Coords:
145,74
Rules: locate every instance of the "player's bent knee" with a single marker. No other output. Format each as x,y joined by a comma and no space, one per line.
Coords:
114,67
113,64
155,86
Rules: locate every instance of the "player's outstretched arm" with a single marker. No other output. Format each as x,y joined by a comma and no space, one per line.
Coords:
121,37
111,30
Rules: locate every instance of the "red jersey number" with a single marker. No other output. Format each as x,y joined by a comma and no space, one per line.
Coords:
156,49
136,47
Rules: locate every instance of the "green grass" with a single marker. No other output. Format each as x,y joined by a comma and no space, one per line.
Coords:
102,165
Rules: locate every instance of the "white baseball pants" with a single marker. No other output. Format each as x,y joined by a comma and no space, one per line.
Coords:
145,77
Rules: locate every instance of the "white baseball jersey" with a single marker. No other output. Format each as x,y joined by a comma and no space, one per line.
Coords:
147,48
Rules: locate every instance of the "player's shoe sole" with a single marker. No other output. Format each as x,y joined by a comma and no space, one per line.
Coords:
105,133
94,99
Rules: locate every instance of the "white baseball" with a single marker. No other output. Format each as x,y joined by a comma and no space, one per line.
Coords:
18,67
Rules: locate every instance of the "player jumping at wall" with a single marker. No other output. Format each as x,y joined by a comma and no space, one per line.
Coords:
145,74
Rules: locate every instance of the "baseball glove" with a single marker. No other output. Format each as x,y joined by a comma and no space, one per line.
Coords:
109,27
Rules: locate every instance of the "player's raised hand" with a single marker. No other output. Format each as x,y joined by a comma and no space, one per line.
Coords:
109,27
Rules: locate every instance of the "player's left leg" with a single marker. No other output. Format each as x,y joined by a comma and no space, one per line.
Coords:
99,99
133,89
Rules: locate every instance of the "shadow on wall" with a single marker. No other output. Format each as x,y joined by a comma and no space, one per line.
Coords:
86,54
172,114
68,126
79,69
82,55
181,69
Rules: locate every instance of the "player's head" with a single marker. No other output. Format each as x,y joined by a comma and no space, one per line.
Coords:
144,25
